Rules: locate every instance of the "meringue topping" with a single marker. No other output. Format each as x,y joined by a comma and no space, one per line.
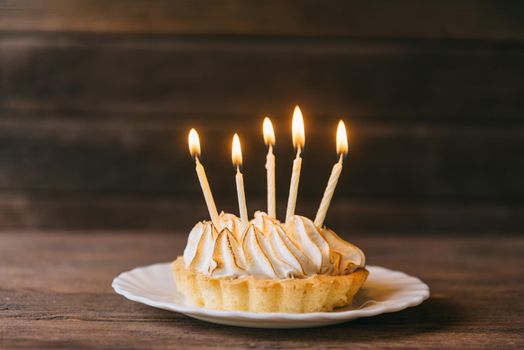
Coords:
269,249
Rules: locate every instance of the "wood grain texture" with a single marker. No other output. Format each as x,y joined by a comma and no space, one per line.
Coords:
55,293
96,99
75,172
76,212
407,160
219,77
406,18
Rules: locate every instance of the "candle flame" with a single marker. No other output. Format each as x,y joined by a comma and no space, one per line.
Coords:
194,143
299,138
269,133
342,139
236,151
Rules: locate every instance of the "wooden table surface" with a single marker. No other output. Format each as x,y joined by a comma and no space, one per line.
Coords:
55,292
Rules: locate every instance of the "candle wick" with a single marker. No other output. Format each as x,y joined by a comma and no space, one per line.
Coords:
299,150
341,158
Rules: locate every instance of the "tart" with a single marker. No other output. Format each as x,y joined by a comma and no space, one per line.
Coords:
268,266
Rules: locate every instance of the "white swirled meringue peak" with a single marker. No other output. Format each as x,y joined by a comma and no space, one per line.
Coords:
269,249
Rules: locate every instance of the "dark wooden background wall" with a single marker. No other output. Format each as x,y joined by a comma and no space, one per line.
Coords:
96,99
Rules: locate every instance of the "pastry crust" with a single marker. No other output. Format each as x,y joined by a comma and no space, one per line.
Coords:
311,294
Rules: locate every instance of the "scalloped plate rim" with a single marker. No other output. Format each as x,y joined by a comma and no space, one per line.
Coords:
295,320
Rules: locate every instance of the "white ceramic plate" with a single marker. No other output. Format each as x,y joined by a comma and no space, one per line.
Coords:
384,291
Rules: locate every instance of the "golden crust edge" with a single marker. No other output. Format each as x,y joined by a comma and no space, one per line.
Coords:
313,294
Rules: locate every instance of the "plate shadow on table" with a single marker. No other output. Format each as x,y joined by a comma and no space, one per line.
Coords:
435,314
